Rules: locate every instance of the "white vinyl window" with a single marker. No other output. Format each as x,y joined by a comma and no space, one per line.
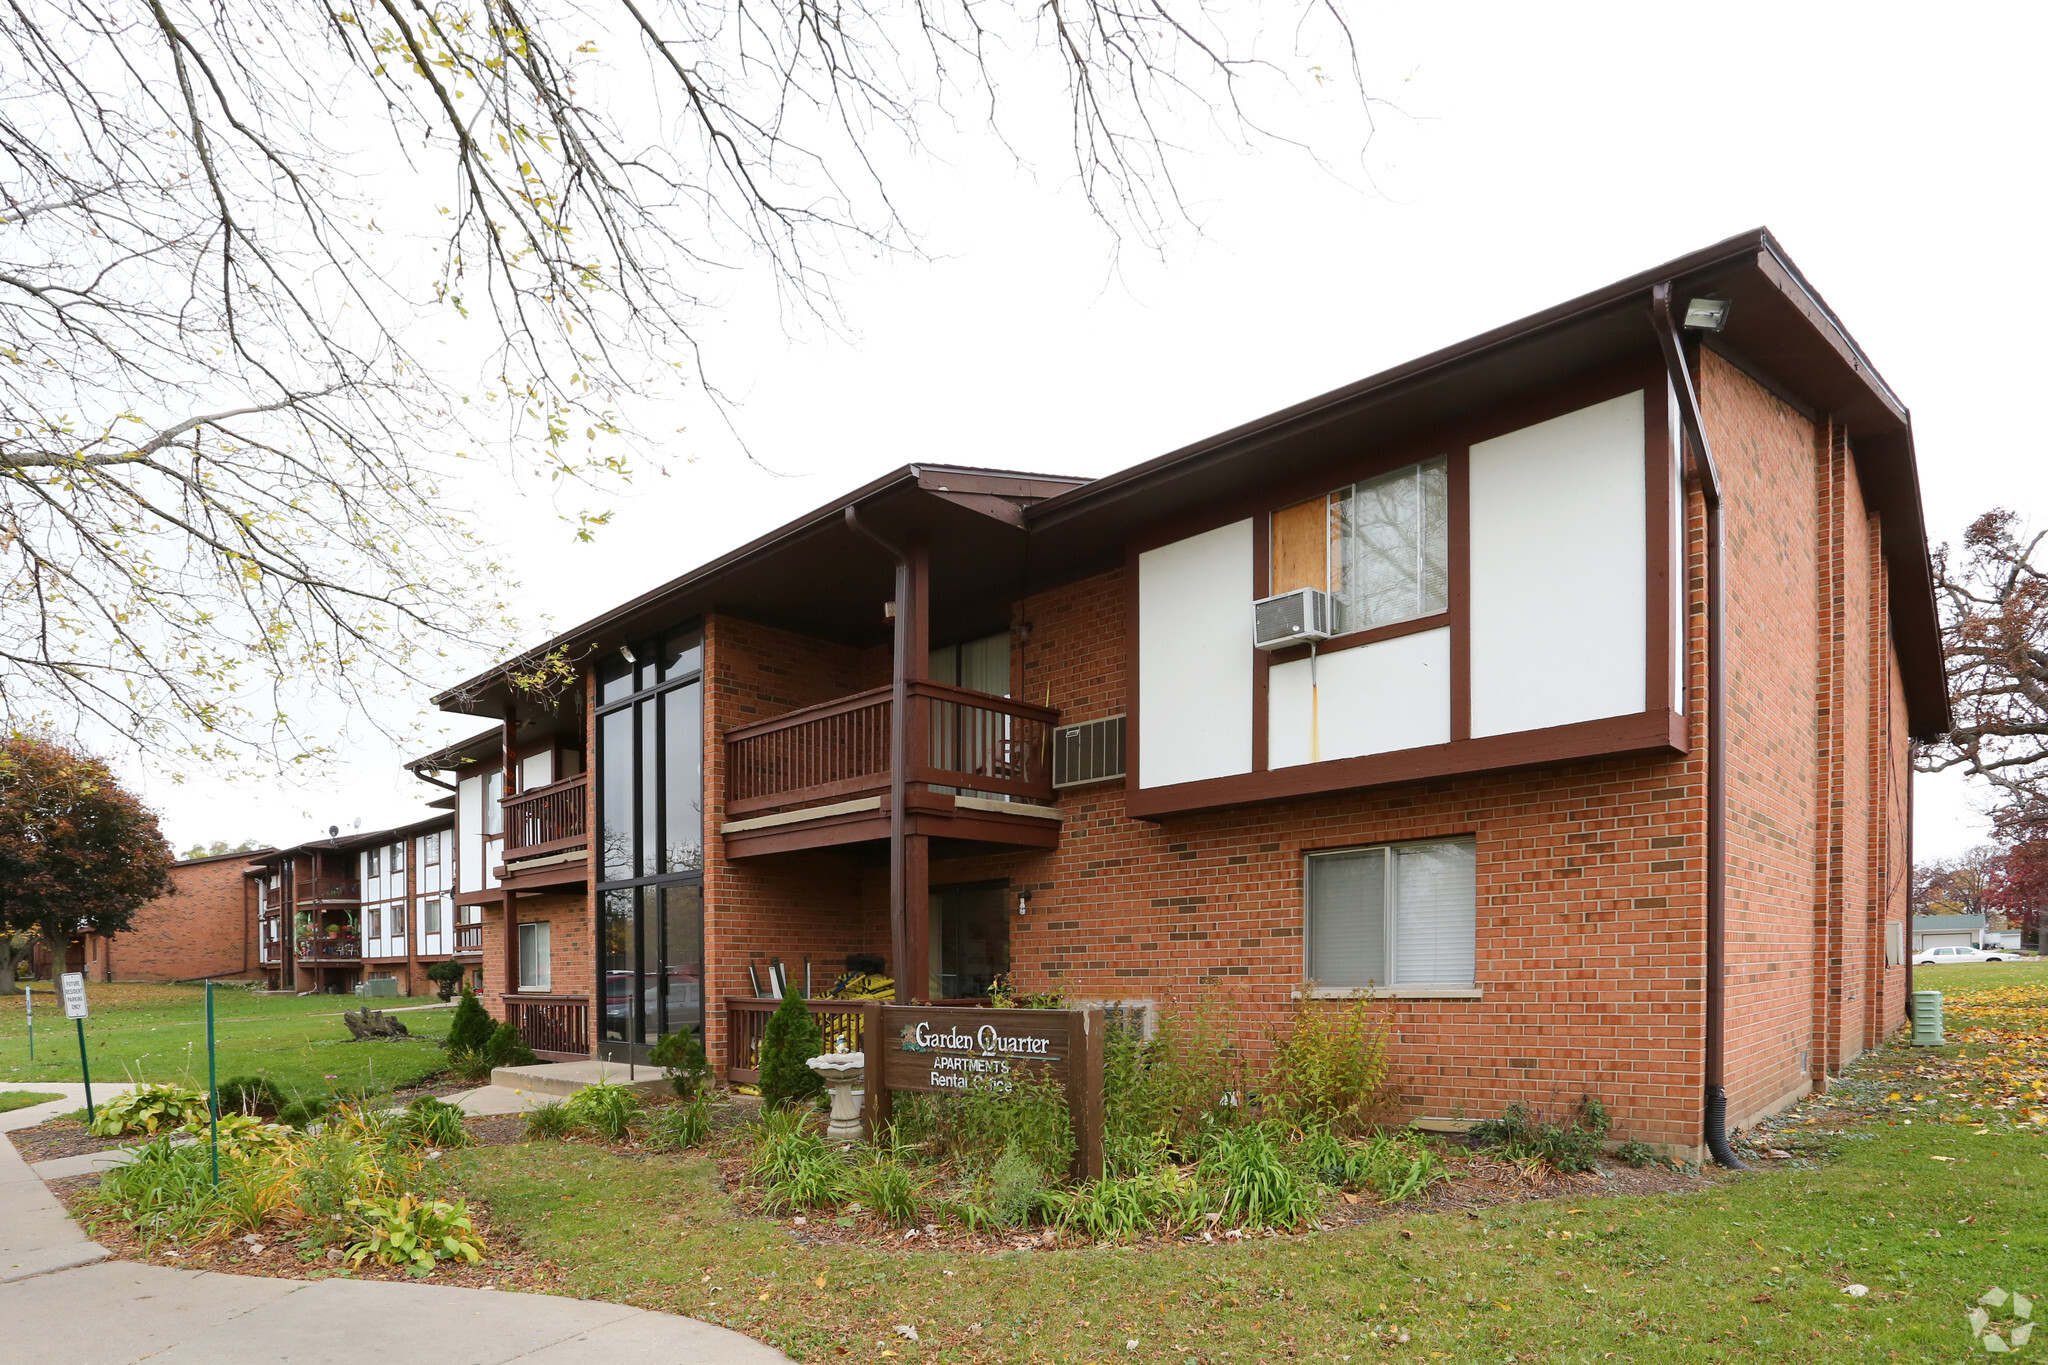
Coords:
398,856
431,914
535,973
430,849
1395,915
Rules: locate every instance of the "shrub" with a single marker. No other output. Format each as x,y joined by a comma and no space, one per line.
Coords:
506,1048
680,1055
415,1233
249,1095
886,1187
1014,1187
446,976
150,1109
1257,1187
1331,1065
1522,1134
305,1110
1030,1112
471,1027
1637,1153
678,1126
549,1120
428,1122
791,1039
1161,1094
607,1109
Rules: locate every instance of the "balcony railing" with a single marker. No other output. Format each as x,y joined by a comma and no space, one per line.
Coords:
973,741
746,1023
321,947
550,819
469,938
552,1025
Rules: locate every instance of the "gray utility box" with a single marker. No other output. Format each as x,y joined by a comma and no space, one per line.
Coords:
376,986
1927,1019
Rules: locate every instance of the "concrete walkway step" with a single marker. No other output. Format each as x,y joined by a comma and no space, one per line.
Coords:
562,1079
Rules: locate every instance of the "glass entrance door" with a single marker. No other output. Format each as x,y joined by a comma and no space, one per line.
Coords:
654,967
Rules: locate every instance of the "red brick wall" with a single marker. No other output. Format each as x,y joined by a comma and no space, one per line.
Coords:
571,946
203,927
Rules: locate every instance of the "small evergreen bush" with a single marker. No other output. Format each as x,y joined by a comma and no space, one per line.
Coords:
471,1027
506,1048
446,976
306,1109
791,1039
1523,1134
680,1055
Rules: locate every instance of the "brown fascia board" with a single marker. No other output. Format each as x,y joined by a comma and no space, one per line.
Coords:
221,857
999,493
1778,322
474,749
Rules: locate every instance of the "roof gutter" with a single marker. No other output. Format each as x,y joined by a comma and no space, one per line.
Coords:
1707,475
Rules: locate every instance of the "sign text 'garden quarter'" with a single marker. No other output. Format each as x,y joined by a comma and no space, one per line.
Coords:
940,1050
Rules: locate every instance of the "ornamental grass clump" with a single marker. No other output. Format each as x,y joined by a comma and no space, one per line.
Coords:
677,1127
1254,1185
429,1122
791,1038
1029,1112
605,1109
792,1165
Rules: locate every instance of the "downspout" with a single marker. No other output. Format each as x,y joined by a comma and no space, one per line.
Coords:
1906,938
899,759
1708,476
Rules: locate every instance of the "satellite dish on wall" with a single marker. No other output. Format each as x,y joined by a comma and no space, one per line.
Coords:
358,824
334,831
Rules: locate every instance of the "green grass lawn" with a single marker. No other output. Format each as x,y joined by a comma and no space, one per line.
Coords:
10,1100
1922,1176
158,1033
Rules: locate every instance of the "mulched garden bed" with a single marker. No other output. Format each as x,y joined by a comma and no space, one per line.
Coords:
54,1138
505,1266
1478,1182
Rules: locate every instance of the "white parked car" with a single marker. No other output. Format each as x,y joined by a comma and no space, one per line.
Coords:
1940,957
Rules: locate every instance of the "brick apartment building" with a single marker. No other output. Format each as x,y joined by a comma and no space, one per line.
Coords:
335,912
205,926
1591,764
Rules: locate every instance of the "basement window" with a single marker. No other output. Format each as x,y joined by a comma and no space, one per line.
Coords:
1393,917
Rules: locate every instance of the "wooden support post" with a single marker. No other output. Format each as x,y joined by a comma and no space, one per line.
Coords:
510,784
1084,1094
876,1110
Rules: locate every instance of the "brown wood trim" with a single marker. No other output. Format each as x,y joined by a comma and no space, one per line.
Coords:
562,874
1132,718
1657,546
931,821
1656,732
867,784
987,701
854,702
1416,626
535,793
1262,659
1458,490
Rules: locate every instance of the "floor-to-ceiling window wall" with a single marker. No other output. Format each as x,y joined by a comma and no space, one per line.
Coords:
650,812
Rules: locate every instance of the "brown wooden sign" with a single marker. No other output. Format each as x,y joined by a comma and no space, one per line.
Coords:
948,1050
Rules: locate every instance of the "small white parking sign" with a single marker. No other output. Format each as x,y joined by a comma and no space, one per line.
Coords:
72,986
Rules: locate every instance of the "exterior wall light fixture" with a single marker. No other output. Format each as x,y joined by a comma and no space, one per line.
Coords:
1023,902
626,652
1706,315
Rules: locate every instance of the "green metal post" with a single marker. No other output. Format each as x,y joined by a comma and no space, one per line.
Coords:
212,1086
85,1070
28,999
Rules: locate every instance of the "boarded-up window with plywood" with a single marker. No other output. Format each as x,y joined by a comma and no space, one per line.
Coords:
1380,547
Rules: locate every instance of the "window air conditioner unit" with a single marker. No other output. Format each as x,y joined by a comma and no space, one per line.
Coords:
1291,618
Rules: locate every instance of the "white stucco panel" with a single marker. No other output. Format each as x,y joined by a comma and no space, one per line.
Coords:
1371,699
469,824
1195,657
1559,611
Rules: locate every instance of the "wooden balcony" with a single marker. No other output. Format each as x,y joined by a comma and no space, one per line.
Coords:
555,1026
469,938
820,775
547,835
322,948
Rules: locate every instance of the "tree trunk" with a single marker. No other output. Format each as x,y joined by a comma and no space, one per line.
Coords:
14,948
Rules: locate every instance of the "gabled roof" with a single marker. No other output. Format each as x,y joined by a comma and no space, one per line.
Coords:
1947,924
996,534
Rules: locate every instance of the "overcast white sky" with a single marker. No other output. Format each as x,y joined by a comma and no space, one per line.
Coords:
1543,151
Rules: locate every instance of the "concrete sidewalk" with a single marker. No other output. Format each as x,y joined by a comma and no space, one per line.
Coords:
64,1300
